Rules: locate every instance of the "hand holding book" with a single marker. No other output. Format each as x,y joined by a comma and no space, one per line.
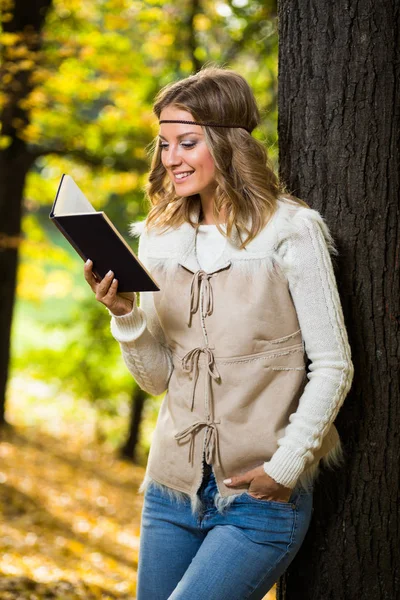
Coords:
106,291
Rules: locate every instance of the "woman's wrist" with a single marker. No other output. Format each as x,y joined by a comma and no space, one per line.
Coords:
121,312
128,327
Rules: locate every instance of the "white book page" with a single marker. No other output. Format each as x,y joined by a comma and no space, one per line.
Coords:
71,200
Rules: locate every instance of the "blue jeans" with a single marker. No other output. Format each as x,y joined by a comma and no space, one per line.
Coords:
237,555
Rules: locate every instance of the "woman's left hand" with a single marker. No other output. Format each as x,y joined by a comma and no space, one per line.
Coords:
262,486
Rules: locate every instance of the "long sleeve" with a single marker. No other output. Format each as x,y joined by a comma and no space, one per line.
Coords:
142,341
306,260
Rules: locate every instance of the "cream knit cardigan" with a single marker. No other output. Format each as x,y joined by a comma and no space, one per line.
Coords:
308,267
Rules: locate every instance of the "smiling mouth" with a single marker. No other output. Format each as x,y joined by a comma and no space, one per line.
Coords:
182,176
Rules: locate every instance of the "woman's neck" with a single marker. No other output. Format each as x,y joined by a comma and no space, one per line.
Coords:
208,219
207,205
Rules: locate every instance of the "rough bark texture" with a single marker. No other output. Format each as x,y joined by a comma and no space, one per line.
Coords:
339,73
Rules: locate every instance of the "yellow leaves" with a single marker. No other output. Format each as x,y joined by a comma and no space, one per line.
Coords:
31,132
5,141
39,75
121,183
30,281
25,65
200,53
59,537
7,78
87,52
3,100
39,190
155,13
9,39
59,284
35,285
186,65
139,152
67,52
202,22
153,49
37,98
75,546
115,22
21,51
166,39
34,282
110,112
6,17
7,5
7,450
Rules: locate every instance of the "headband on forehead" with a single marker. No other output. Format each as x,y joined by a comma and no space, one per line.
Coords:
203,124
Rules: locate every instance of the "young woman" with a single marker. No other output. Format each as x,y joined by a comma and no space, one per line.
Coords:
247,293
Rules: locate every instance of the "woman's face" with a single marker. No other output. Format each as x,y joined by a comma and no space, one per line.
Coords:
185,155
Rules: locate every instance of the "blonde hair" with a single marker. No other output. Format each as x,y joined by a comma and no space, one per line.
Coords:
247,186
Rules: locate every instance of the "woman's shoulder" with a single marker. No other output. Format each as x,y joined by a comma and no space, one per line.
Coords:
136,228
159,242
289,209
297,221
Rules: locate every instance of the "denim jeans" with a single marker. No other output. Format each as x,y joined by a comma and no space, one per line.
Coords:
237,555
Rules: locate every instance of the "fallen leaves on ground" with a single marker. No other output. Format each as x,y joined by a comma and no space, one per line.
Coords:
70,519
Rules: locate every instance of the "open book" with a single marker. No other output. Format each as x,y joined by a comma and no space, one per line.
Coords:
93,236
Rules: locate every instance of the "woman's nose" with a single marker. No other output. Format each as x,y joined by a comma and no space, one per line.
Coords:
172,157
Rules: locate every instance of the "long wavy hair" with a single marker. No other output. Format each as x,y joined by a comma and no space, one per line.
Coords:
247,188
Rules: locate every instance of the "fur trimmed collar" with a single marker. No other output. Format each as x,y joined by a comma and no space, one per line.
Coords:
179,243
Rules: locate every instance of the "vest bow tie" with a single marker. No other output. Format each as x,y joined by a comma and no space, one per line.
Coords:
208,305
211,441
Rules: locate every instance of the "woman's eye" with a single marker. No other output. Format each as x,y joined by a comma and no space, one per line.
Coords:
184,145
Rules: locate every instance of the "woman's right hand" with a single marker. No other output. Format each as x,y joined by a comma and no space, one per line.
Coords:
106,291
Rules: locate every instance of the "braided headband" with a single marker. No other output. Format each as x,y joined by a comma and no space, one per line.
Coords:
204,124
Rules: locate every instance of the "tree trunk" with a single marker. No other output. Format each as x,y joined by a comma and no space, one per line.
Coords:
338,130
15,160
129,449
12,180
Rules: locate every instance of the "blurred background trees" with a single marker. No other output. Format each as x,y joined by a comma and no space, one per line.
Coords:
78,81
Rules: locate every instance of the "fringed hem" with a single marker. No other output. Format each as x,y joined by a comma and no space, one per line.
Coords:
221,504
308,478
334,459
173,495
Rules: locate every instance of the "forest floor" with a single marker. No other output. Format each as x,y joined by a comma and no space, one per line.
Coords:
69,519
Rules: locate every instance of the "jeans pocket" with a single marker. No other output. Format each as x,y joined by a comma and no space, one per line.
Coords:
290,504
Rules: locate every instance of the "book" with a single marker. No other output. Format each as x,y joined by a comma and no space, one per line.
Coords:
92,234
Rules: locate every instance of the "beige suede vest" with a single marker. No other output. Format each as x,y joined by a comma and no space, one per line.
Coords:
238,354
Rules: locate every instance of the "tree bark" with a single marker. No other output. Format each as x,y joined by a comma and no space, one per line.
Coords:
12,180
339,138
15,161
